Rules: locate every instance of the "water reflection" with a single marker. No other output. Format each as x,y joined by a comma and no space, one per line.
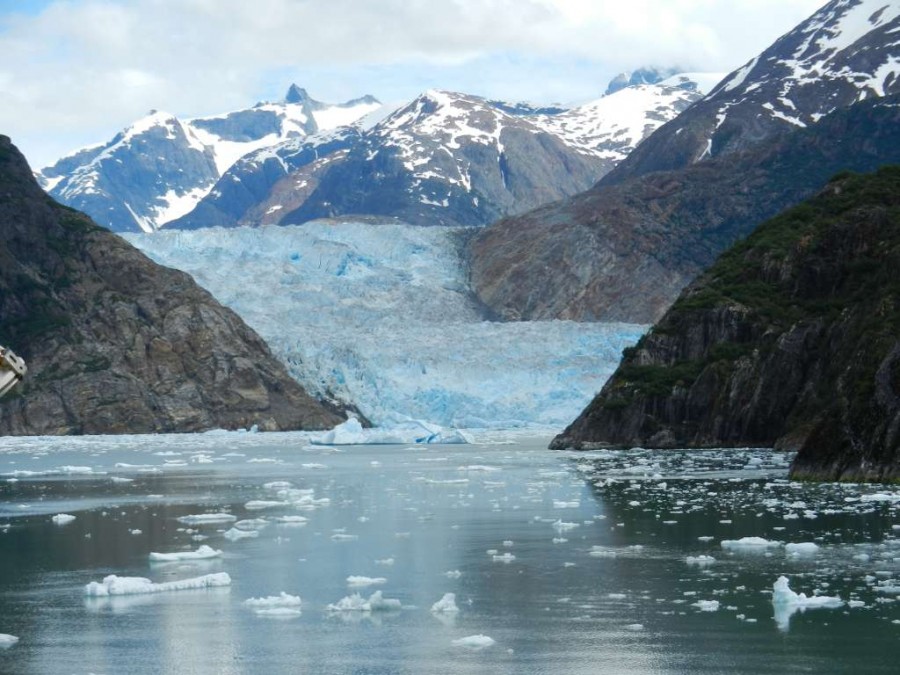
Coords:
570,563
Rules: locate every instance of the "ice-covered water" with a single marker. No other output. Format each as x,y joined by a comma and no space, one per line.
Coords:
352,559
382,316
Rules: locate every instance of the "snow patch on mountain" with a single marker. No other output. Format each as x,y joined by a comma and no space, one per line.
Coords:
612,126
382,315
159,168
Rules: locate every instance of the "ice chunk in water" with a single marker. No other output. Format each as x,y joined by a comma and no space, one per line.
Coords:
362,582
446,604
7,640
803,548
787,602
62,518
474,642
202,553
283,605
114,585
356,603
749,544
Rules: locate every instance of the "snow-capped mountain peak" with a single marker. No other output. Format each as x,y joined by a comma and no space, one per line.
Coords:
847,51
160,167
613,125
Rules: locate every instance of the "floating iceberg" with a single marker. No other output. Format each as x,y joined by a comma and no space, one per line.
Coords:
7,640
114,585
362,582
281,606
445,604
207,519
803,548
787,602
405,432
62,518
474,642
203,553
749,544
356,603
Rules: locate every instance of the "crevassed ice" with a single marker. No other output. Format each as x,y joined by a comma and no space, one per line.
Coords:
382,315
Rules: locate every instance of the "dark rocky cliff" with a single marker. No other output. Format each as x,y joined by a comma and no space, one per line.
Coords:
116,343
792,340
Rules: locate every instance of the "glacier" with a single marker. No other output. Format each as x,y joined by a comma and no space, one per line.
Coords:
381,315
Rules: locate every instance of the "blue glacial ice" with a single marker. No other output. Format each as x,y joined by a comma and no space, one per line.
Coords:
382,316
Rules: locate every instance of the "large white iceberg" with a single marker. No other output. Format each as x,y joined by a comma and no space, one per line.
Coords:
405,432
115,585
787,602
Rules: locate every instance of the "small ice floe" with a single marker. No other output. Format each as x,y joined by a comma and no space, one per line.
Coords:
505,558
115,585
700,560
135,532
292,520
340,536
203,553
561,526
281,606
706,605
749,544
361,582
207,518
356,603
474,642
278,485
234,534
635,626
260,504
453,574
252,524
801,549
385,561
62,518
120,479
562,504
7,641
786,602
446,604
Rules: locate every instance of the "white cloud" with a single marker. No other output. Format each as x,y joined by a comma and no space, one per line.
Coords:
82,69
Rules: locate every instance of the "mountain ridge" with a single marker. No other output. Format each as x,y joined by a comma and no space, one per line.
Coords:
790,339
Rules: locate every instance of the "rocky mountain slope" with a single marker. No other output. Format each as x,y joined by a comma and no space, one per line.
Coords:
624,249
444,158
114,342
623,252
160,167
846,52
791,339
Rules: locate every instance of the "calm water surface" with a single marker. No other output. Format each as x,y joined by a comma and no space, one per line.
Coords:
570,563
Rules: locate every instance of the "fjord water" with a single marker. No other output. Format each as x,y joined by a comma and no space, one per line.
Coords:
570,563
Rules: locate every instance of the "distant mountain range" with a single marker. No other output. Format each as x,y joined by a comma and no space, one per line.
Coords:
443,158
160,167
822,98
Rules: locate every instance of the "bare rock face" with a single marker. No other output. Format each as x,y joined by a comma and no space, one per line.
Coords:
792,340
116,343
623,252
624,249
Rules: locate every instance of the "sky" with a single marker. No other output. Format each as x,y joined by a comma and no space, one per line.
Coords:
75,72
